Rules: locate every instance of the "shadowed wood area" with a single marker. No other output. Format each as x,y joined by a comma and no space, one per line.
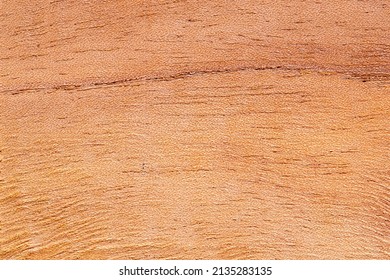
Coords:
195,129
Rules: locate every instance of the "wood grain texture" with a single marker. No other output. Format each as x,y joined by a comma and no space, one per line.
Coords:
195,129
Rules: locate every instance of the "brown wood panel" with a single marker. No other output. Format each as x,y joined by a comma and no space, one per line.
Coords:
194,129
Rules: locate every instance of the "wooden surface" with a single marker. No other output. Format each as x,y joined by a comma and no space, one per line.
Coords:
195,129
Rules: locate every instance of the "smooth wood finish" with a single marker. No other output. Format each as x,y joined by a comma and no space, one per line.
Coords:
194,129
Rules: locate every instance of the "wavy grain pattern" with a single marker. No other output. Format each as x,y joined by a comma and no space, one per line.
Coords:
194,129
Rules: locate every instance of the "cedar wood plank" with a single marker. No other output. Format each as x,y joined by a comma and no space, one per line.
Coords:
194,129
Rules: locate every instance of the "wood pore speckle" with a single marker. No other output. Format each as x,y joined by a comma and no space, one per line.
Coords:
195,129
